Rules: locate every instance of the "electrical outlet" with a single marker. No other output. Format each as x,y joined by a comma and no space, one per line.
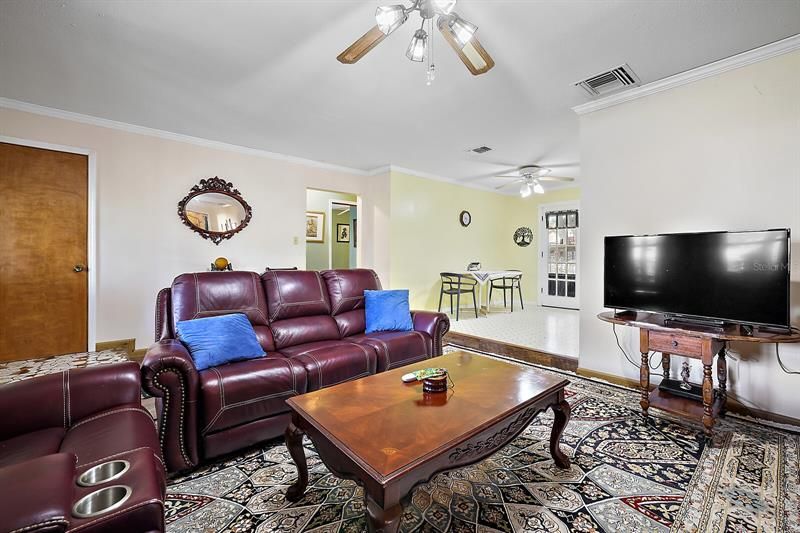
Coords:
296,240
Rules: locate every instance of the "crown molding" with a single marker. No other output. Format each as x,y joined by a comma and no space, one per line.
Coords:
18,105
52,112
784,46
444,179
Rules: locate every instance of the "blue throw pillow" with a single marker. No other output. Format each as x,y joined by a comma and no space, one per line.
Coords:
217,340
387,311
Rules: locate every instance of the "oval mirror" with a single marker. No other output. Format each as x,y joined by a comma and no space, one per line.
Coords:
215,210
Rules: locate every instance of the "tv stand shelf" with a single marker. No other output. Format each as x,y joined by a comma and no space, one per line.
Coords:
656,333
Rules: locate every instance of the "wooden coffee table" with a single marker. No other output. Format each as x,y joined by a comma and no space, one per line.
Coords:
388,436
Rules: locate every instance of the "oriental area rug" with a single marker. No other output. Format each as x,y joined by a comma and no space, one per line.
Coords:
626,475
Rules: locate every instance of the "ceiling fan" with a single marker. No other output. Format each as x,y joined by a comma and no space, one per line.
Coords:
459,34
530,177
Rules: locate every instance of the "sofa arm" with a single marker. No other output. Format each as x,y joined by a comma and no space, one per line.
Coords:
63,398
38,494
434,324
169,374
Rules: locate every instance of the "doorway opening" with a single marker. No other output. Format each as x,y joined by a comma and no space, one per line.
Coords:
332,230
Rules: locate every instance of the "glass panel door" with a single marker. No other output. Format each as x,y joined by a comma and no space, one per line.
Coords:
560,277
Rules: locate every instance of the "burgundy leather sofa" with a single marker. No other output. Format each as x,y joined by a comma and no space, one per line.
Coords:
56,427
311,324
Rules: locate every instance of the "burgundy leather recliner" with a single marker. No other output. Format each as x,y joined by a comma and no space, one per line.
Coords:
56,427
311,325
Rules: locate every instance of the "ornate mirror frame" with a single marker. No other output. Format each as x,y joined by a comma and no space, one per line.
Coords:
220,186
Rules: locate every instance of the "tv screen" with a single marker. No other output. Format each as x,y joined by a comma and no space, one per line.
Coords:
738,277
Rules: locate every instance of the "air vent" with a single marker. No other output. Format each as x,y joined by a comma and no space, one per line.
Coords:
480,150
611,81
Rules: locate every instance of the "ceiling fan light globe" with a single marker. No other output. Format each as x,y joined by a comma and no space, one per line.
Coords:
525,191
389,18
444,7
416,48
537,188
462,30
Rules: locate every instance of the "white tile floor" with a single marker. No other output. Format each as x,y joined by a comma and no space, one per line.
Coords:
546,329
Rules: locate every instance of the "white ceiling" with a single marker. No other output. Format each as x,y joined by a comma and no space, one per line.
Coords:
264,74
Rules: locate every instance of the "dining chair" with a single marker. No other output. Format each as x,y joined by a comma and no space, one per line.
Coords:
457,284
507,283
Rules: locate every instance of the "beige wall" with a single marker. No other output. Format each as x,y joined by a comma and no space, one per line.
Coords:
427,238
145,174
718,154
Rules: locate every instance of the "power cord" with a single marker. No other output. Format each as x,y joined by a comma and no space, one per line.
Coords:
780,362
621,349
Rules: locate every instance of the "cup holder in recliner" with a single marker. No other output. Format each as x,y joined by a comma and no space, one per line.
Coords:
103,473
102,501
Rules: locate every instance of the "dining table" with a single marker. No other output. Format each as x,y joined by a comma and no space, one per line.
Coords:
484,279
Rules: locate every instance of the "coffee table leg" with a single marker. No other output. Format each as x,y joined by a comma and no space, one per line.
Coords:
294,442
380,520
562,412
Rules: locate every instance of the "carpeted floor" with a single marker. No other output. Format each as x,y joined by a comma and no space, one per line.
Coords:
626,476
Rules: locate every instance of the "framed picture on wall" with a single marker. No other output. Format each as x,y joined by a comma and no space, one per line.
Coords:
315,226
355,233
342,232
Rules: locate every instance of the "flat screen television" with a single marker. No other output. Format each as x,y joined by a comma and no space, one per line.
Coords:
739,277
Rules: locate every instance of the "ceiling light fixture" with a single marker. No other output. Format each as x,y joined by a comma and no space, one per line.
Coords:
416,49
459,34
444,7
462,29
530,185
389,18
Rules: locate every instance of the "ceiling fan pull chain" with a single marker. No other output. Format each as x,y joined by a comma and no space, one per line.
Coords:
431,74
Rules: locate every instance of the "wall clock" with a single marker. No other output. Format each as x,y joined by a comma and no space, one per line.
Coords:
523,236
465,218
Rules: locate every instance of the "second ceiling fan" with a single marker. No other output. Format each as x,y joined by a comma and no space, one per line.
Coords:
530,176
459,34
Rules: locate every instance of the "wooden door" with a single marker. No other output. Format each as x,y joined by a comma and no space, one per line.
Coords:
43,252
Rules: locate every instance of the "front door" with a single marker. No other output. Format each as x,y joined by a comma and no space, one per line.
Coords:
559,255
43,252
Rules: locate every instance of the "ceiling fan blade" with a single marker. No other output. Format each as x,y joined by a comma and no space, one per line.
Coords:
492,175
509,183
509,176
561,165
554,178
364,44
472,54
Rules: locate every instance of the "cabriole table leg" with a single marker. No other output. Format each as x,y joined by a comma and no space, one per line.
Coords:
294,442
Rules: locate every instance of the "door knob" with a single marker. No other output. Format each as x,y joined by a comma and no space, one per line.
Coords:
79,268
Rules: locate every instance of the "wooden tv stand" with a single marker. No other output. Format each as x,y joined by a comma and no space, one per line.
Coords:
697,342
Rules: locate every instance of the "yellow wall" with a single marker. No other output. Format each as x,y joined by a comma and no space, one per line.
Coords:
427,238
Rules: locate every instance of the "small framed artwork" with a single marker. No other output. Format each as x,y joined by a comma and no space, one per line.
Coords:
315,226
342,232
